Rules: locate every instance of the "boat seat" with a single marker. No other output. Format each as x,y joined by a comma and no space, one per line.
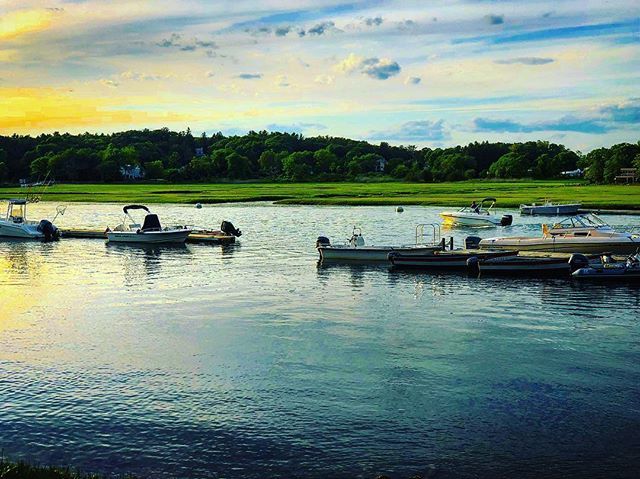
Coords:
151,223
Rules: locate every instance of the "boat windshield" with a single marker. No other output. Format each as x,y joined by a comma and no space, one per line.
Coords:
17,212
581,221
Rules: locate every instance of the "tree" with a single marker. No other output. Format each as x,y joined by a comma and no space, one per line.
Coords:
237,166
154,170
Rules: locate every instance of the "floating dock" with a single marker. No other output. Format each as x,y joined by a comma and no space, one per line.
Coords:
205,237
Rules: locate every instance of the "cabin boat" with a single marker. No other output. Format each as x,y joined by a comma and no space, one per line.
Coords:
151,231
355,249
16,225
577,234
479,216
549,208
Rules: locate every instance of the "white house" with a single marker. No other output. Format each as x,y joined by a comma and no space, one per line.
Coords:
380,165
129,172
199,152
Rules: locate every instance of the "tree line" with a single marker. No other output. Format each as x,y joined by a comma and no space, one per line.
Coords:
179,156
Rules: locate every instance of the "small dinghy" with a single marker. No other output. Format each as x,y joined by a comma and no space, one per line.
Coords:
556,265
151,232
611,270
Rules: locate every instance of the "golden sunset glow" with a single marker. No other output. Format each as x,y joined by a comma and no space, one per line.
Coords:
20,22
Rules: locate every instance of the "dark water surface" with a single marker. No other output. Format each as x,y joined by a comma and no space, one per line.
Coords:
252,361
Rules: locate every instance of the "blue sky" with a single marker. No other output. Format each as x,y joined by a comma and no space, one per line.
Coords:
426,73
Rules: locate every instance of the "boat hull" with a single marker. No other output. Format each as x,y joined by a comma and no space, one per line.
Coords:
525,265
549,210
20,230
446,259
370,253
608,274
469,219
148,237
595,245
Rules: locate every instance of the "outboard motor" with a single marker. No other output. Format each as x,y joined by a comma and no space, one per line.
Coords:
506,220
473,265
228,228
322,241
577,261
472,242
49,230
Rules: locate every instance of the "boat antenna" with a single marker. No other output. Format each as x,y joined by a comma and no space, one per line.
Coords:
33,196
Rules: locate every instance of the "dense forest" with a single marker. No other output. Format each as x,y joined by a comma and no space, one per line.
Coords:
179,156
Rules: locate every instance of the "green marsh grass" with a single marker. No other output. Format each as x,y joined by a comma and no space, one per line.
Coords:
509,193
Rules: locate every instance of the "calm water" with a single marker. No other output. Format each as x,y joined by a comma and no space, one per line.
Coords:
252,361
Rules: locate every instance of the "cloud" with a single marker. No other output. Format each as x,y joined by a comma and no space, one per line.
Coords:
626,113
20,22
282,81
173,41
423,130
373,22
374,67
566,123
412,80
250,76
210,74
525,61
282,31
600,121
321,28
494,19
324,79
109,83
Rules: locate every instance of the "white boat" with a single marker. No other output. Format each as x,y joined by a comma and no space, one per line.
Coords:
610,270
549,208
576,234
476,216
151,231
356,250
16,225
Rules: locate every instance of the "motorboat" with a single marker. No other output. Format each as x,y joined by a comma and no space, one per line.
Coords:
577,234
476,215
549,208
452,259
16,225
539,265
151,231
355,249
611,270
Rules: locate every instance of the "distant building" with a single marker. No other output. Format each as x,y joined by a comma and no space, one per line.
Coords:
199,152
129,172
573,173
381,165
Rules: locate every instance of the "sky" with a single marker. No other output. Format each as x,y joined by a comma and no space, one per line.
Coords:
426,73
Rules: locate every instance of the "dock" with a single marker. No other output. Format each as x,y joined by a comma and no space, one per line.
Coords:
201,237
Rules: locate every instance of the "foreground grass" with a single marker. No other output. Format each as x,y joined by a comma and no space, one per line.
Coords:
23,470
508,193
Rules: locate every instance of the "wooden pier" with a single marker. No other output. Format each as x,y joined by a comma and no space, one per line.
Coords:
202,237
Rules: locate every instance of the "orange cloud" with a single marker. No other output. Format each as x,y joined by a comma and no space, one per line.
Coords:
20,22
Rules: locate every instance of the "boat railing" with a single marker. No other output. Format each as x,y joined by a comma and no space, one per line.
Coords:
426,231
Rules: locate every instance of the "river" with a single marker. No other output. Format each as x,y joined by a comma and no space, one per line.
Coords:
252,361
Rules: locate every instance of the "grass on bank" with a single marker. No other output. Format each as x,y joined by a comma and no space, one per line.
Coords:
508,193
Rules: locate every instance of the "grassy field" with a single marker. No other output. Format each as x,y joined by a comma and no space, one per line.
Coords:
508,193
